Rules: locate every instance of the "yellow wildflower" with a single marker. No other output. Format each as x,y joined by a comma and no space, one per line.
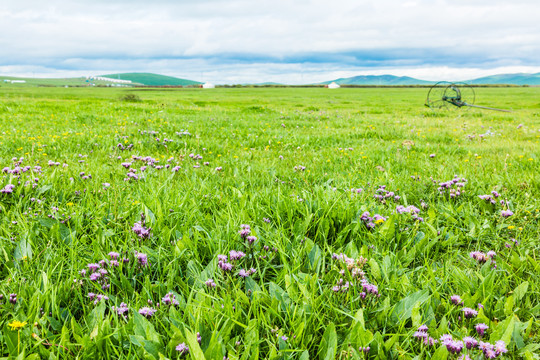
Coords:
16,325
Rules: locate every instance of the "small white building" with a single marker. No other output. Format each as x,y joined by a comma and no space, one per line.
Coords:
333,85
208,85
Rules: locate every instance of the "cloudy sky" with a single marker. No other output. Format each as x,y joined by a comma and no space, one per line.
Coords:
289,41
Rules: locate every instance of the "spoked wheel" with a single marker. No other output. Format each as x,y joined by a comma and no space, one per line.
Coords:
452,96
436,94
459,95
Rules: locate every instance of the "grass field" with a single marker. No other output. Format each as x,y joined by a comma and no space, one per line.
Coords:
268,223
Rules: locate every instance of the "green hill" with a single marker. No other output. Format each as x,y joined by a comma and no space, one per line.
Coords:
378,80
80,81
511,79
152,79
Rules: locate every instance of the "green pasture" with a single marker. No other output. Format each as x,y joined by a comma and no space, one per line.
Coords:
301,167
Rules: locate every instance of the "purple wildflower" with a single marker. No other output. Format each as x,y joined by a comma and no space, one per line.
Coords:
469,313
456,299
147,312
470,342
506,213
500,347
142,259
481,329
122,309
182,348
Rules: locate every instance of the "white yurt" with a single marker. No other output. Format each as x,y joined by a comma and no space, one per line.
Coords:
333,86
208,85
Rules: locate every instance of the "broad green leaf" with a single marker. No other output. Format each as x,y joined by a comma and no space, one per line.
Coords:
375,270
194,347
520,291
328,347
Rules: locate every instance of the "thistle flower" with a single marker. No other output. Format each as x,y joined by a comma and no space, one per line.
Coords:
456,299
170,299
142,259
182,348
147,312
210,283
469,313
454,346
506,213
140,230
236,255
500,347
122,309
423,328
243,273
481,329
470,342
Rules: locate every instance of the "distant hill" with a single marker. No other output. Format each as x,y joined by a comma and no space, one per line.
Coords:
378,80
501,79
80,81
152,79
511,79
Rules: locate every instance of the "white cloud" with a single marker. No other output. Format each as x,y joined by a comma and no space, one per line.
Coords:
237,39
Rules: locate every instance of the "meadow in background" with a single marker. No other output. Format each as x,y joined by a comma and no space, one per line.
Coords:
268,223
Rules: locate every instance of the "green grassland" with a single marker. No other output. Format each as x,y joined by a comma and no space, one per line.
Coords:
301,167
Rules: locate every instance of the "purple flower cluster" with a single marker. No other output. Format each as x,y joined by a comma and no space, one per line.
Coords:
456,300
299,168
122,147
411,209
210,283
342,286
140,230
97,273
170,299
147,312
453,346
481,329
422,334
121,310
97,298
491,198
245,273
454,187
481,258
492,351
369,289
469,313
8,189
245,231
506,213
13,299
383,195
182,348
350,263
142,259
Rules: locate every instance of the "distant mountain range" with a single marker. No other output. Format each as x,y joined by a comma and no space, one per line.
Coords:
150,79
506,79
378,80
